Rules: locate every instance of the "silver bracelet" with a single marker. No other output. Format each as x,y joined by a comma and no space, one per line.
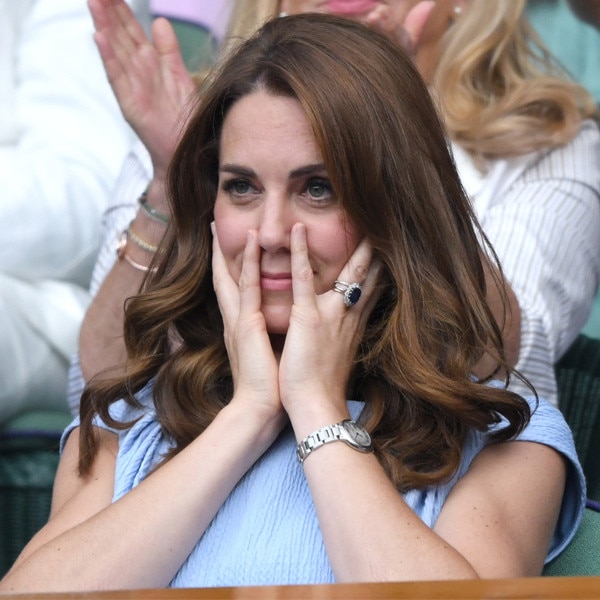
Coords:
346,431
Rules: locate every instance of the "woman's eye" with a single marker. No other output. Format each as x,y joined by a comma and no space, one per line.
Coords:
239,187
320,189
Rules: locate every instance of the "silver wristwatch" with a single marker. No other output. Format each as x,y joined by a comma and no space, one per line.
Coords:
347,431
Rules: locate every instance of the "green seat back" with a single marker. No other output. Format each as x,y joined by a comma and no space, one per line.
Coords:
582,555
27,469
198,46
578,376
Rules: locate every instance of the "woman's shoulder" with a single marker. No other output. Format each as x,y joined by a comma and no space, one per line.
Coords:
500,180
121,411
578,160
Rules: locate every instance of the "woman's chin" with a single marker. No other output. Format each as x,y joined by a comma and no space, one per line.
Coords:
277,319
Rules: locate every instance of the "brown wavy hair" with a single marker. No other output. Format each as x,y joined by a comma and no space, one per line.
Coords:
387,156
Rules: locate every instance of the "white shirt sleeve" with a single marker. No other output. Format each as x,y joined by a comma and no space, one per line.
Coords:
71,139
135,176
133,180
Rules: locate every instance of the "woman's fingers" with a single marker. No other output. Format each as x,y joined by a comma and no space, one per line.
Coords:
225,288
149,78
405,28
241,299
116,22
136,34
249,284
176,79
360,269
115,42
363,269
303,286
415,21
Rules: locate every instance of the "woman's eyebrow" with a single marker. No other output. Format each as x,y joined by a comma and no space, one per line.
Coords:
296,173
308,170
237,170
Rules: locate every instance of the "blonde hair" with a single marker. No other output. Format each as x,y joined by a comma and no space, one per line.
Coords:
498,88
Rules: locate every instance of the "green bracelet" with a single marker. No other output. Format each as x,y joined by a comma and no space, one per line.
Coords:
150,211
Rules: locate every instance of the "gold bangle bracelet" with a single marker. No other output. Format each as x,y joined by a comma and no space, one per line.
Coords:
122,255
139,242
137,265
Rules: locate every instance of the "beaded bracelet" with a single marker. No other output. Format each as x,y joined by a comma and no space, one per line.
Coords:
122,255
150,211
139,242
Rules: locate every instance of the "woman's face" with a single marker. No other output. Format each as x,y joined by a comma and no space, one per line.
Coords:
271,176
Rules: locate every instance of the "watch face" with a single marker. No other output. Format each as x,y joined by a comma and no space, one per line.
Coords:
358,434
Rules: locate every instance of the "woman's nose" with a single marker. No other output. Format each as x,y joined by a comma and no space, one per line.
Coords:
275,223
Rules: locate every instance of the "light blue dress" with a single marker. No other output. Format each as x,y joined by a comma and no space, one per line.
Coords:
267,533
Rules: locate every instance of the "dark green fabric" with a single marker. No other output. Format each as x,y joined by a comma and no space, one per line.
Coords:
27,468
198,47
578,376
582,555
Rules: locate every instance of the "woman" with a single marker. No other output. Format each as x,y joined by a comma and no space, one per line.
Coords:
526,155
344,264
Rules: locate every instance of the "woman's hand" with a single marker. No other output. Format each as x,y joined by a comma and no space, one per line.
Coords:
253,363
149,78
323,336
404,28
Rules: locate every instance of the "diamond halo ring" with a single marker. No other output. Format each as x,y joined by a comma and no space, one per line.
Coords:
350,291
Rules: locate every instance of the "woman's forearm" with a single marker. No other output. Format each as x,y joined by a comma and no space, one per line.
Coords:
101,344
143,538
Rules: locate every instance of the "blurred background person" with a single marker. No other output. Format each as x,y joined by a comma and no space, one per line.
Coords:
62,143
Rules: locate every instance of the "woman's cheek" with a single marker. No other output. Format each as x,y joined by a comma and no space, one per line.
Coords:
232,238
329,250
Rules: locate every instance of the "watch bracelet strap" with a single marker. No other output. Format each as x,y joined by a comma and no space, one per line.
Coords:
329,433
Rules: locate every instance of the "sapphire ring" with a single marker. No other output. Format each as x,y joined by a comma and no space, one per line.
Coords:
350,291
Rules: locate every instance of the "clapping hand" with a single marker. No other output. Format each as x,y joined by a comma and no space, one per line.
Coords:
403,28
148,77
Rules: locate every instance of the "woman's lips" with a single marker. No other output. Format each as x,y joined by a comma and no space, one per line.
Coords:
276,282
350,7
